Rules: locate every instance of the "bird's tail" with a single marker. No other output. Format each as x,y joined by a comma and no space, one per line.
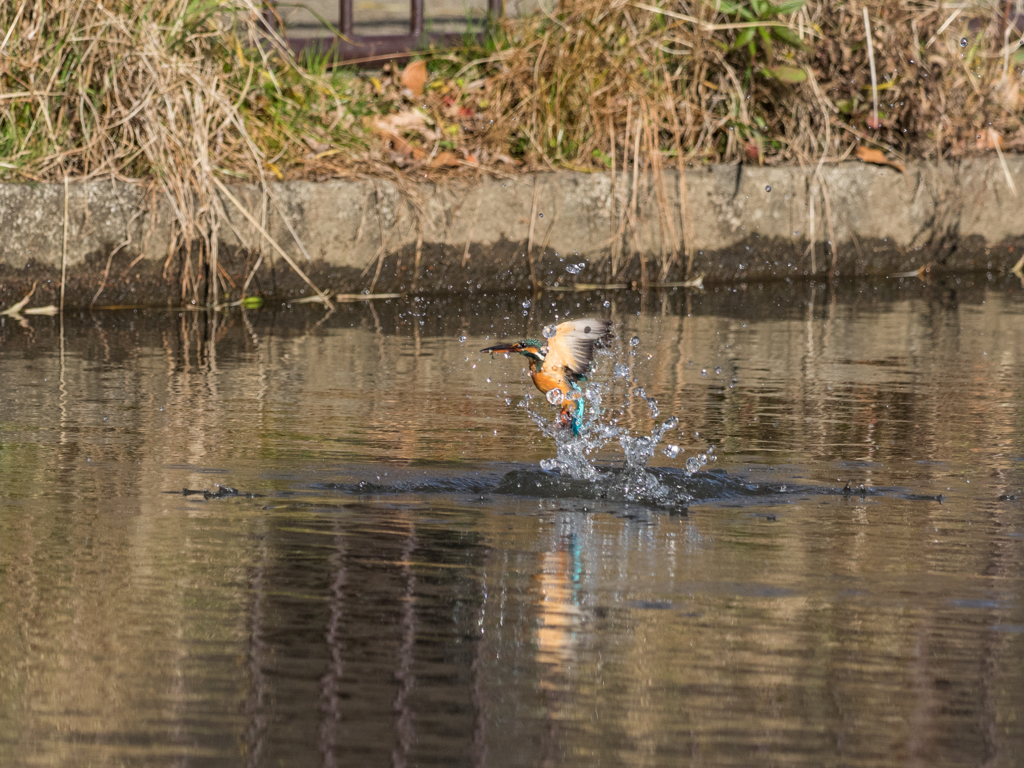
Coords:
577,417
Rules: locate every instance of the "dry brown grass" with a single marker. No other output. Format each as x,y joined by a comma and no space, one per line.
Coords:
181,93
570,87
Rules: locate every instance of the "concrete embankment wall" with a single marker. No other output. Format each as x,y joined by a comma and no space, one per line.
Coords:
739,222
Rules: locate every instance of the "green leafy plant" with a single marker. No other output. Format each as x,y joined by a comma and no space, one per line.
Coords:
760,36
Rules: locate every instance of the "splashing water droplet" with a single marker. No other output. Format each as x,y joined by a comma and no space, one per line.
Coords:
526,304
634,482
555,396
704,372
622,371
607,304
671,450
692,464
963,42
462,339
635,341
541,215
767,187
718,371
639,392
574,269
549,331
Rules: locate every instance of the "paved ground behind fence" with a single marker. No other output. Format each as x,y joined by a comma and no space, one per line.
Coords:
377,17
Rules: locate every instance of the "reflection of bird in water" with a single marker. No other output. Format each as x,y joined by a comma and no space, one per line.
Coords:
561,361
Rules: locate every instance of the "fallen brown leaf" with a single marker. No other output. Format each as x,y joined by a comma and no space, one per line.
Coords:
390,129
401,145
445,159
391,136
877,157
414,77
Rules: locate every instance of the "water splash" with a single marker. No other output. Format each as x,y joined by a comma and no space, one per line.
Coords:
625,479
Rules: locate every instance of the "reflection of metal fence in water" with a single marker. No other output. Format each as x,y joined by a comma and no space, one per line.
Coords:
383,30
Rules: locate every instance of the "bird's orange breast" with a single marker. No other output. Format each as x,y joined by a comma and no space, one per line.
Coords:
546,382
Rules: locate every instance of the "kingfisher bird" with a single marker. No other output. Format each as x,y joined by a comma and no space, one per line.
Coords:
561,361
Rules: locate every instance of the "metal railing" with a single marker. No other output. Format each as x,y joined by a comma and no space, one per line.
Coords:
349,46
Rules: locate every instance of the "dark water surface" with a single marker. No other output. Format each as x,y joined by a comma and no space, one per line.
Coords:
397,581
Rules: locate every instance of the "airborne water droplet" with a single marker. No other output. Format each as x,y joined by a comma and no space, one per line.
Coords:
671,451
462,339
549,465
635,341
767,187
963,42
549,331
555,396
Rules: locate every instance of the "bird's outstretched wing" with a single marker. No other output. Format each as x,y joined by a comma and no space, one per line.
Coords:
572,346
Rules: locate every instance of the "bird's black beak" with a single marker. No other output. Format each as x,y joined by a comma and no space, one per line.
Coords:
502,348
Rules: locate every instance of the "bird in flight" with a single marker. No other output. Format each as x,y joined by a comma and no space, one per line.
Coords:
561,361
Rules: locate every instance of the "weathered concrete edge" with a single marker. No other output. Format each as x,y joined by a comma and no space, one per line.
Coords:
741,222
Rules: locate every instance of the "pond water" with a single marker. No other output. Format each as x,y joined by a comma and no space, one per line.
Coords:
398,581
